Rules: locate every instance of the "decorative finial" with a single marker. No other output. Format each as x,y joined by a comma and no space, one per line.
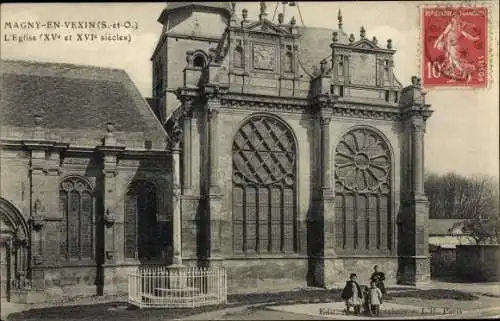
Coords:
334,36
322,67
374,40
244,14
233,7
389,43
263,7
38,119
110,128
362,32
281,18
415,81
351,38
293,21
339,17
263,13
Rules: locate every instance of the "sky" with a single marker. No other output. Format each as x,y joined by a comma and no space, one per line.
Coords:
462,135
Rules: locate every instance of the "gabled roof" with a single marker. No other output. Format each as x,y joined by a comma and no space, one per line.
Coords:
444,226
74,97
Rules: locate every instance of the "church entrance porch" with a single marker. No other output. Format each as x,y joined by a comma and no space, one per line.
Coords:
13,250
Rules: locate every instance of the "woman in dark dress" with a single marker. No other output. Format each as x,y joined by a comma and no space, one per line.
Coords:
379,278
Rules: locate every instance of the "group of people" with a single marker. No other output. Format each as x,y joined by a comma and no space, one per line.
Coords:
370,298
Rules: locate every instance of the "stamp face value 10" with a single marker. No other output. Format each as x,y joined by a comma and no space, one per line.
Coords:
455,43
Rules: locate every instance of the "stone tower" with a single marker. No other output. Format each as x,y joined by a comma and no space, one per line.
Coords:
187,26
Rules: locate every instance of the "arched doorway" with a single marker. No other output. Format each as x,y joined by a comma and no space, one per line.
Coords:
142,230
14,240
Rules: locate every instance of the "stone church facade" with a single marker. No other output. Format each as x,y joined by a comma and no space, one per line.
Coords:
291,155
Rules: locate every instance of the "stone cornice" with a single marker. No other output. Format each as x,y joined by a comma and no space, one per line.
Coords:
145,153
269,103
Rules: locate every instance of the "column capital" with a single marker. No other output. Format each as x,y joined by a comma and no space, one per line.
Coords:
325,118
213,112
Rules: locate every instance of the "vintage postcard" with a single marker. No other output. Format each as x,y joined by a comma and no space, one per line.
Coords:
249,160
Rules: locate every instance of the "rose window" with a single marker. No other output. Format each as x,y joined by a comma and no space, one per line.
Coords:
362,163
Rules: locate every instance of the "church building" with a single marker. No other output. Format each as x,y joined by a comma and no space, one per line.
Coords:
290,155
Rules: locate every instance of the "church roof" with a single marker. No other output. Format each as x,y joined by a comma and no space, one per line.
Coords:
74,97
224,6
314,45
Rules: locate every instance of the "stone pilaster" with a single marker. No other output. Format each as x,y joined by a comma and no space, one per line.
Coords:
109,152
214,196
414,265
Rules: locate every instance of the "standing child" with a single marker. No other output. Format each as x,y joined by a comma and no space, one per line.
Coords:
352,294
366,301
375,297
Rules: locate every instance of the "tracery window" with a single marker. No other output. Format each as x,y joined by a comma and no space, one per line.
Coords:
264,187
76,204
141,229
363,192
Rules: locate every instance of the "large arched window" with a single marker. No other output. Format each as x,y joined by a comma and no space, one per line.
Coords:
264,187
76,203
363,193
141,239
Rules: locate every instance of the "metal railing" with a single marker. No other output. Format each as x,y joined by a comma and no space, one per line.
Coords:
165,287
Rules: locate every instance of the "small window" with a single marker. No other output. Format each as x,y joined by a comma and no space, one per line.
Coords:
341,91
288,62
341,66
238,57
387,95
199,61
395,96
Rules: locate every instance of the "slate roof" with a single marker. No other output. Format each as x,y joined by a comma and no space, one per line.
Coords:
224,6
443,226
73,97
314,46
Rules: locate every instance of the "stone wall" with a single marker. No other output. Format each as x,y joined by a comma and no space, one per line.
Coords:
478,262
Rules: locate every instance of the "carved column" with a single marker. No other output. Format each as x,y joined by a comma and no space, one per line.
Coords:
187,150
213,142
176,205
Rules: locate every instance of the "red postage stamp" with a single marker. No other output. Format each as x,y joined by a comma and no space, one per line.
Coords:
455,43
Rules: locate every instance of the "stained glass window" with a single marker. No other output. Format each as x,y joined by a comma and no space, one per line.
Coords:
363,192
264,187
76,203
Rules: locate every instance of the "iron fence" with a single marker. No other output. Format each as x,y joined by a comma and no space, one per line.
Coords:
166,287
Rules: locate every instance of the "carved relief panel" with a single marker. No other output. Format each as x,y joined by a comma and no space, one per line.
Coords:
264,56
363,69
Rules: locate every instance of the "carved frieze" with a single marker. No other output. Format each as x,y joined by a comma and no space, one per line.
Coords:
78,161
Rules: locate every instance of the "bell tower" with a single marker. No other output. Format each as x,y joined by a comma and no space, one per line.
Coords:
187,26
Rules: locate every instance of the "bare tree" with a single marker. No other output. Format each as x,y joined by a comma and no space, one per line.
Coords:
474,199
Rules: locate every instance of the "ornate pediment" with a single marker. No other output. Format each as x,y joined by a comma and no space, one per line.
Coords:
267,27
365,44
